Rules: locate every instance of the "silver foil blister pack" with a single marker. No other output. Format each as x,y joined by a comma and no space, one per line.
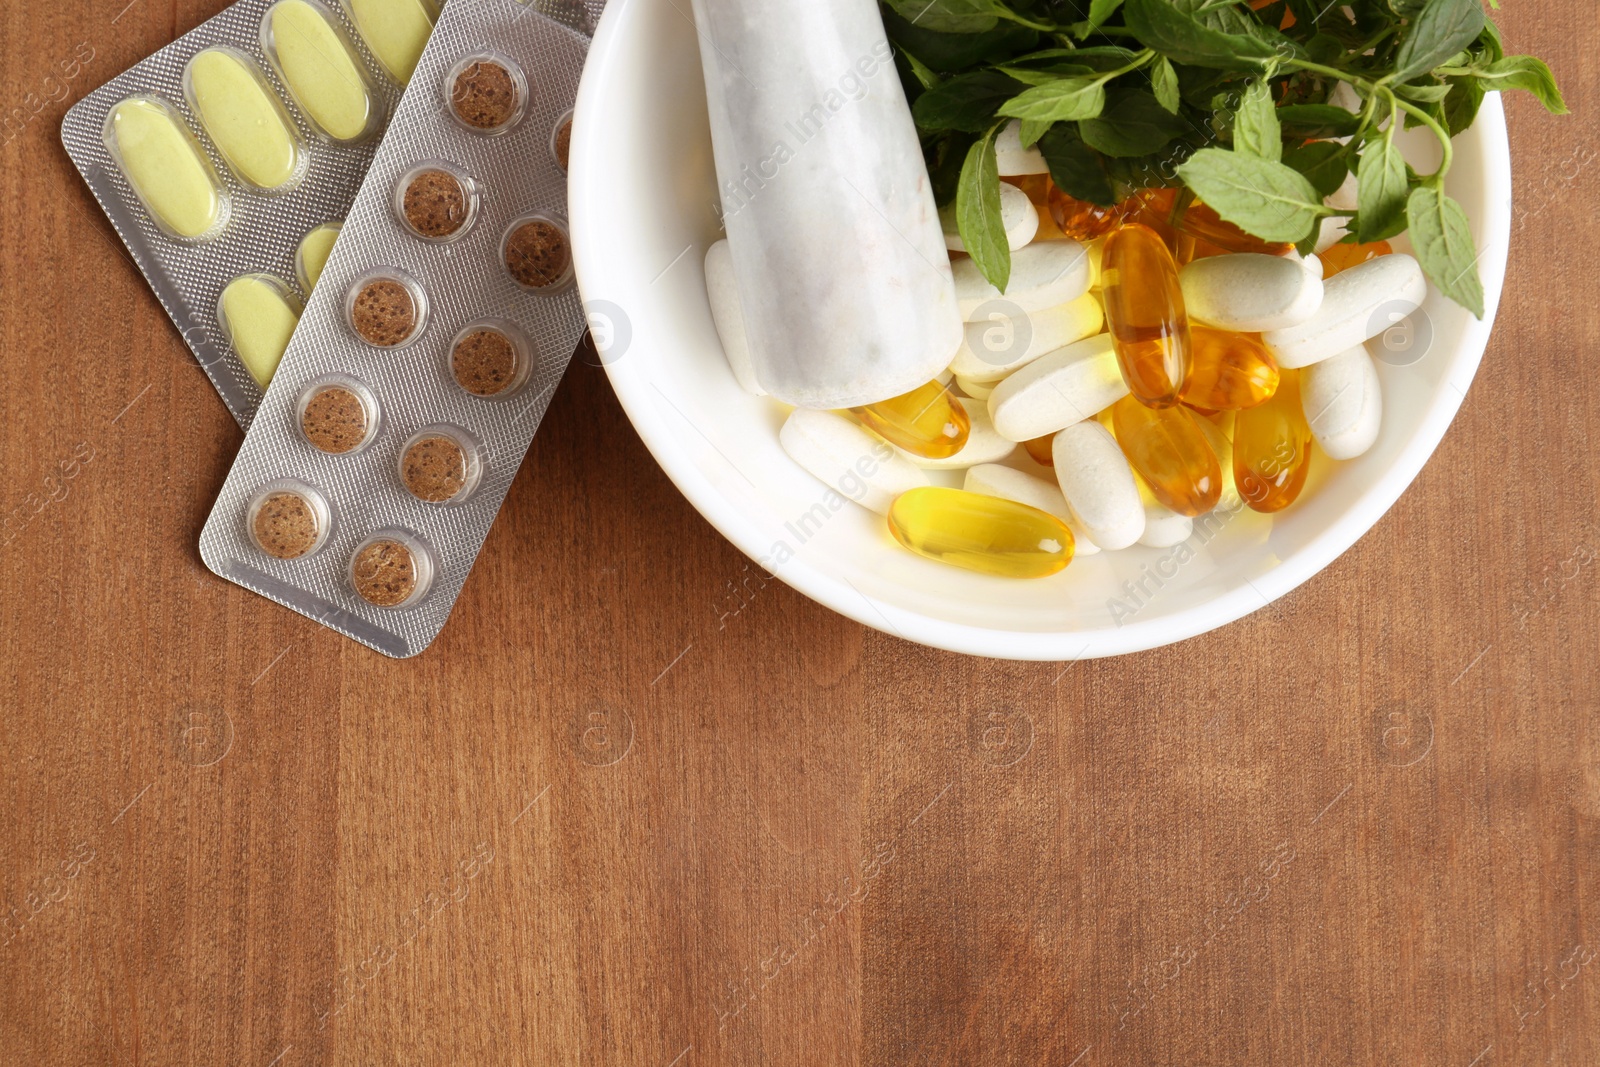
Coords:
256,51
428,352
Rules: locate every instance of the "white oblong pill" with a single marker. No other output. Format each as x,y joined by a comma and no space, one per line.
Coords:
1001,343
1098,483
1058,389
1249,293
983,444
1343,402
853,462
723,292
1163,527
1043,274
1017,215
976,390
1007,483
1013,159
1357,304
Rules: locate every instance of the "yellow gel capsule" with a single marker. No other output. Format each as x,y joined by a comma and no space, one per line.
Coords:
1081,220
312,255
162,161
396,30
1227,371
1272,449
259,315
1341,257
1171,454
1145,314
243,117
928,421
981,533
310,52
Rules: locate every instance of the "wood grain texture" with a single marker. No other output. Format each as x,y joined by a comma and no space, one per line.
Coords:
638,806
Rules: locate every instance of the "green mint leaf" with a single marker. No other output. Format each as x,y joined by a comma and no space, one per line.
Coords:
1443,28
1424,94
1255,127
1385,183
967,103
1183,38
1232,18
1443,243
1102,58
978,215
1030,76
1133,123
1461,106
1261,197
947,154
1099,11
1493,46
948,16
1526,72
920,70
1322,162
1076,168
1308,13
1164,80
1063,100
1029,131
948,53
1308,244
1317,120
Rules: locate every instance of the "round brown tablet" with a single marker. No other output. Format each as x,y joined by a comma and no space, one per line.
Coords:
384,573
537,254
286,526
335,420
384,314
485,96
484,362
435,204
563,143
434,468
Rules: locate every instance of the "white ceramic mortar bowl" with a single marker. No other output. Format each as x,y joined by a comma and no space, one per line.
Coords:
642,195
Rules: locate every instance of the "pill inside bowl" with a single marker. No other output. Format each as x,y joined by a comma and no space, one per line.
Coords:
1130,380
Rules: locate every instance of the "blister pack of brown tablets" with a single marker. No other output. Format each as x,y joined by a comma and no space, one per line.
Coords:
428,352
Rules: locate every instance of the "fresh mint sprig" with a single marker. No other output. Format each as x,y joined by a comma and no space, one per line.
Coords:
1233,102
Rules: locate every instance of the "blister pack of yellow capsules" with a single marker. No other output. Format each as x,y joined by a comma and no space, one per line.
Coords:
228,160
428,352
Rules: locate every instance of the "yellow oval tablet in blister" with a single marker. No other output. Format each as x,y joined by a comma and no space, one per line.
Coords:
169,173
395,30
312,55
243,117
312,255
259,315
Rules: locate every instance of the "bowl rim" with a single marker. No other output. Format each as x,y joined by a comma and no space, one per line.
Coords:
590,149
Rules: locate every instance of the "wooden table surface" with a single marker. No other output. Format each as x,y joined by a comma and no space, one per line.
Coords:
637,806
